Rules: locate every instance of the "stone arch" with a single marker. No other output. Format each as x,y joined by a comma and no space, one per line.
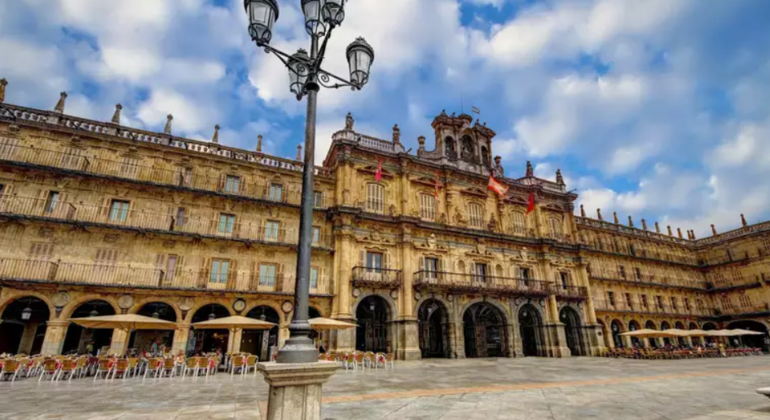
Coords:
284,319
530,319
434,319
665,325
8,300
23,325
318,309
634,325
201,303
170,302
77,338
485,159
573,329
757,341
485,330
374,331
73,305
144,339
450,147
496,303
616,328
391,304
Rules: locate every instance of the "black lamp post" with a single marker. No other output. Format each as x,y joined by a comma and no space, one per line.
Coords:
306,76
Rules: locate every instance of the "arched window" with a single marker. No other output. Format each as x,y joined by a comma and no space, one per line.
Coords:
428,206
518,224
556,228
450,148
485,156
375,198
476,215
467,151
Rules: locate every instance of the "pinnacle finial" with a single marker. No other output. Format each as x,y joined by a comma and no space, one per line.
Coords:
116,115
630,222
559,178
299,153
657,227
215,139
349,122
530,170
713,230
167,129
396,134
679,231
743,219
60,105
582,211
599,214
3,84
259,143
644,224
615,216
669,231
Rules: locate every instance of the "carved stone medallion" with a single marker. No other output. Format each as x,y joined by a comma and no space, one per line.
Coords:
125,301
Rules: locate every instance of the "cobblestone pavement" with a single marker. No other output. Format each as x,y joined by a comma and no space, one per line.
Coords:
531,388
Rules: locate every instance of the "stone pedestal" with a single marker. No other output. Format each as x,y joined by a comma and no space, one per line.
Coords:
295,389
556,339
408,346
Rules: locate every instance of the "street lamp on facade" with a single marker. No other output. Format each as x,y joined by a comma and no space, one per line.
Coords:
306,76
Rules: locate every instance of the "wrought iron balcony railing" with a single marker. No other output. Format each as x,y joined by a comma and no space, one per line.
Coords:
119,275
376,277
651,308
106,215
744,309
571,292
128,170
647,279
471,283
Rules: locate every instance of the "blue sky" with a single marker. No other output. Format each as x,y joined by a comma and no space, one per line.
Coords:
656,109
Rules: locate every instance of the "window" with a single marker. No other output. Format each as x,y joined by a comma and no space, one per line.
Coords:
272,229
687,304
219,271
226,223
52,201
476,215
374,261
2,191
525,275
119,210
431,267
628,301
745,301
622,272
41,251
638,273
276,192
129,167
519,223
564,280
316,235
611,298
106,256
170,267
375,198
267,274
184,177
180,216
480,272
318,199
313,278
70,159
232,184
659,301
673,303
555,228
644,301
427,206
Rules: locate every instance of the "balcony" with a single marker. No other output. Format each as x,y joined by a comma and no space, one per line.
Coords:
763,308
146,220
376,277
69,273
647,280
571,292
212,182
469,283
650,308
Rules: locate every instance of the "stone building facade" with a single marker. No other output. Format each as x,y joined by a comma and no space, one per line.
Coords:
100,218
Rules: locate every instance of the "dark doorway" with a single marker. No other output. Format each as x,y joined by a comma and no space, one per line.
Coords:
259,342
78,338
756,341
709,326
573,330
695,340
144,339
663,327
372,320
680,340
530,326
23,326
484,328
635,341
616,329
653,341
209,341
434,329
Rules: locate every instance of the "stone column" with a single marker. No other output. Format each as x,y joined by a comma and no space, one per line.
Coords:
234,340
409,336
119,341
27,338
295,389
55,333
181,336
346,259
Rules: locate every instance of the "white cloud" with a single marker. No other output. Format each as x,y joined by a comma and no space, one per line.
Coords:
188,117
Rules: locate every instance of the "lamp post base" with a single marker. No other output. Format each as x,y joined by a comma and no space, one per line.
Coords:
295,389
298,350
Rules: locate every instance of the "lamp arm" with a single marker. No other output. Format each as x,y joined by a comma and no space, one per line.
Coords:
306,65
322,50
325,80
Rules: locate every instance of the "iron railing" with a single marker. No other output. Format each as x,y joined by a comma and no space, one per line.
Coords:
571,292
373,277
651,308
472,283
631,277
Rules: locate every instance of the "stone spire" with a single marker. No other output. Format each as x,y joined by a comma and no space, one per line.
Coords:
60,105
299,153
582,211
669,230
349,122
3,84
396,134
116,115
167,129
679,231
530,171
630,222
644,224
693,234
713,230
615,216
259,143
743,219
215,139
599,214
559,178
657,227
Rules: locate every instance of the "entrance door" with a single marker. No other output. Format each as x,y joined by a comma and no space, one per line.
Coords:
572,330
434,332
529,328
372,333
484,331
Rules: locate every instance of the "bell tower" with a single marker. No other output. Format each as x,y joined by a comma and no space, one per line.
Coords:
462,143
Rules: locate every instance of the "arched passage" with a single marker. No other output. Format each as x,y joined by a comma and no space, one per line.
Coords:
663,327
143,340
372,317
433,322
635,341
709,326
259,342
680,326
616,329
78,339
695,340
758,341
651,326
209,341
573,330
484,328
23,326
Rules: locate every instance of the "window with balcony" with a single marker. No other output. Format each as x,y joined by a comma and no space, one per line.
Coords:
180,216
611,298
8,147
555,228
745,301
119,210
41,251
518,223
673,303
375,198
313,278
659,301
629,302
226,223
686,304
276,192
374,262
525,274
427,207
232,184
267,274
316,235
106,256
2,191
644,301
318,199
129,167
184,177
71,158
430,267
479,271
564,277
171,267
622,272
272,230
219,271
52,201
638,274
476,215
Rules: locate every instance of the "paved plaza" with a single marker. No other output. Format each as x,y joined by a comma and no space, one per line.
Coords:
531,388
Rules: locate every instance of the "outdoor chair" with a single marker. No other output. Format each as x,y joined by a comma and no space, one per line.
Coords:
190,365
390,359
169,366
153,367
251,363
203,366
10,368
359,360
121,368
24,365
68,367
104,367
50,368
371,360
237,362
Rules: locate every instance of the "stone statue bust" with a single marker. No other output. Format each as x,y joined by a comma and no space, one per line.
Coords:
349,122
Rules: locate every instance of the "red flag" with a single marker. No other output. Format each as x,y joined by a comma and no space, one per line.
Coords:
438,184
496,186
378,174
531,206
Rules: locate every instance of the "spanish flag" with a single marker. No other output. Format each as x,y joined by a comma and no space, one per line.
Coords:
378,174
496,186
531,206
438,184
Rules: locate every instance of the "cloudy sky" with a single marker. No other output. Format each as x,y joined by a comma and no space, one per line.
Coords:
652,108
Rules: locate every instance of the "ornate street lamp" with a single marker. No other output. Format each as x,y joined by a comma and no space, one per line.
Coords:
26,313
305,78
93,313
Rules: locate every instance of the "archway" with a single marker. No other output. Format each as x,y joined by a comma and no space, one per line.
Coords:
23,326
144,339
616,328
573,330
680,340
261,342
530,330
78,338
484,328
209,341
635,341
433,322
695,340
709,326
653,341
372,317
758,341
663,327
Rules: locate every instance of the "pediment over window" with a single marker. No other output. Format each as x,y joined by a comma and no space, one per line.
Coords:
423,180
477,192
515,199
372,169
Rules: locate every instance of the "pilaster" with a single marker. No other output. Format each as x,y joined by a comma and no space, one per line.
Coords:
55,333
181,336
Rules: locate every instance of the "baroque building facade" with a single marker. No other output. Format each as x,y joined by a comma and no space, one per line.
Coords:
100,218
